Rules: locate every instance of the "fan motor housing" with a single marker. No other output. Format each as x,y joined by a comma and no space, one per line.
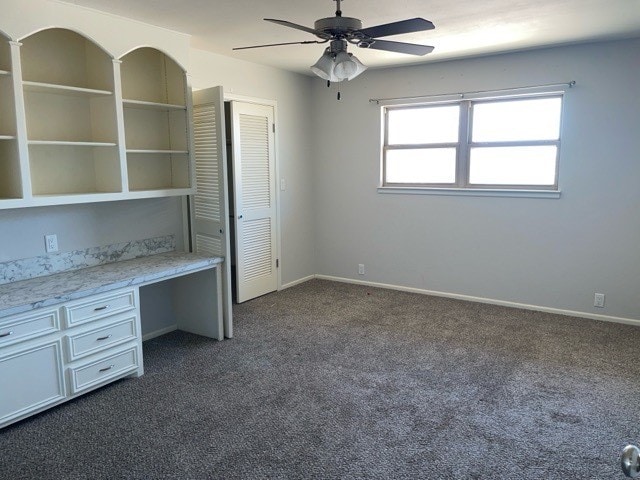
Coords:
338,25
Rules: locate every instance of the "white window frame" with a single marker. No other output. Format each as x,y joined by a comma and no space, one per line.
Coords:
464,145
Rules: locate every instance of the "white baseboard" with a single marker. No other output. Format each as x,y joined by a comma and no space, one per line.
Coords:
157,333
297,282
491,301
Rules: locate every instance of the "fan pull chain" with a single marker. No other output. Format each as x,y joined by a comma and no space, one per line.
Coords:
339,96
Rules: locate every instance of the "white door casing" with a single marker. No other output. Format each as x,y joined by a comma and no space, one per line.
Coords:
209,206
255,204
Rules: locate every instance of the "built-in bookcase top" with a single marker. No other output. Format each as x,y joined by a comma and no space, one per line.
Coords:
77,126
62,57
151,76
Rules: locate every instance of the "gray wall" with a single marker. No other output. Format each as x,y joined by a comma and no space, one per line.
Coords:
83,226
552,253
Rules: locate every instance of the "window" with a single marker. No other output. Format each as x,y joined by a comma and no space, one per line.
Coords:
504,143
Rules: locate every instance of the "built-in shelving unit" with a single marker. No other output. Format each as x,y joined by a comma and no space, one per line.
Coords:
10,178
154,101
70,79
77,125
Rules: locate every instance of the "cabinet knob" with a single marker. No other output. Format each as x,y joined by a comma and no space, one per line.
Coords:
99,339
104,307
106,369
6,334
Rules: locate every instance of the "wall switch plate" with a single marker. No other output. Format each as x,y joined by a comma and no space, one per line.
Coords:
283,184
360,269
598,300
51,243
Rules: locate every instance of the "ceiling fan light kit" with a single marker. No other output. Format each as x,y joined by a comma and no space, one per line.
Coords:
336,64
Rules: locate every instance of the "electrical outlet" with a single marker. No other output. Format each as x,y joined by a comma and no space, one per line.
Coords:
360,269
51,243
598,300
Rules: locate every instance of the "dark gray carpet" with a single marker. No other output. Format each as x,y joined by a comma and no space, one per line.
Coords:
327,380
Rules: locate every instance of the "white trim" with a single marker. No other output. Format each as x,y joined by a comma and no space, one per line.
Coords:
232,97
158,333
297,282
491,301
471,192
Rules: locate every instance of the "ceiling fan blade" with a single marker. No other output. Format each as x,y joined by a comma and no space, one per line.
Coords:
276,44
399,47
298,27
396,28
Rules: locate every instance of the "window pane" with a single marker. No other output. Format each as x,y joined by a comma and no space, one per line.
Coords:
532,165
427,165
413,126
535,119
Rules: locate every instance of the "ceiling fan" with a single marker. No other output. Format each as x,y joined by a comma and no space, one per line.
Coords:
336,64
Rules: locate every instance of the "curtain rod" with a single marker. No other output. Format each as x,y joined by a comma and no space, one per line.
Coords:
462,95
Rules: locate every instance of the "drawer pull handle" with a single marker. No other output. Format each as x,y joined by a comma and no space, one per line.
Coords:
99,339
106,369
104,307
6,334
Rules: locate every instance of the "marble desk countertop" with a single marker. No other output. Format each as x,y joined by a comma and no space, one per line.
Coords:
27,295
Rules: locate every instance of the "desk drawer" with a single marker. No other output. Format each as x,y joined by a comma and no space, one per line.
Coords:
85,343
99,307
109,367
28,326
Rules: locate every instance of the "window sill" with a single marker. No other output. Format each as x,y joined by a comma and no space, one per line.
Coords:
471,192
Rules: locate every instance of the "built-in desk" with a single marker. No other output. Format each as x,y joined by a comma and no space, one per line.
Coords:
65,334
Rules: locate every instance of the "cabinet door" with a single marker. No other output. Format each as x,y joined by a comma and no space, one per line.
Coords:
31,380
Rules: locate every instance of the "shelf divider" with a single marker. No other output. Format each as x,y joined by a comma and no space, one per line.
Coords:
176,152
71,143
63,89
152,105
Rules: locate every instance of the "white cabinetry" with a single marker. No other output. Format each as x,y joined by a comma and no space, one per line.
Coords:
77,125
156,121
45,361
68,87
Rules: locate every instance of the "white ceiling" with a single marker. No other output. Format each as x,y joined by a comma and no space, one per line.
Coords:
463,27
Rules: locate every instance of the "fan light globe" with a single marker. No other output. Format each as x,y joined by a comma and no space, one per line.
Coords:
345,66
324,67
360,67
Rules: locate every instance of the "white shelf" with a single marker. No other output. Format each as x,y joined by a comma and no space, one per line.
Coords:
4,73
152,105
167,152
63,89
71,144
7,137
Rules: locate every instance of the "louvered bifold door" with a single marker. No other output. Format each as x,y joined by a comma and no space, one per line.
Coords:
209,206
254,199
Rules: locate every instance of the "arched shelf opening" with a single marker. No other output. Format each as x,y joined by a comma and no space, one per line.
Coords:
150,75
154,93
64,57
71,116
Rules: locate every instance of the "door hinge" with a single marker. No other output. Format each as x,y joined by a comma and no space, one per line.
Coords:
277,262
273,125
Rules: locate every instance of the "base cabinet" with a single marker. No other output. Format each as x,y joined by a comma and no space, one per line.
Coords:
32,380
44,362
